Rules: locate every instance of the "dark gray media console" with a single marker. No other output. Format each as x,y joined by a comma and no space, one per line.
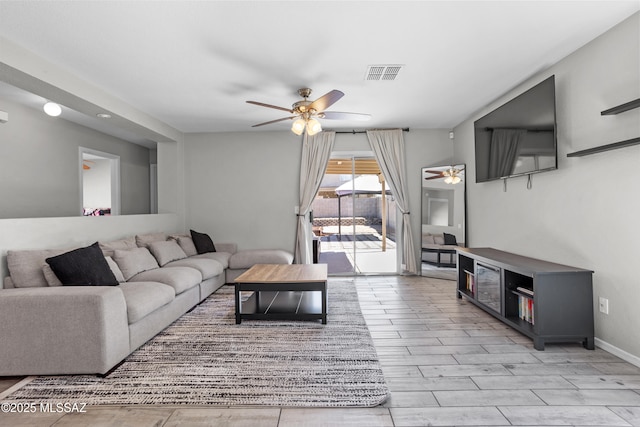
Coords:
545,301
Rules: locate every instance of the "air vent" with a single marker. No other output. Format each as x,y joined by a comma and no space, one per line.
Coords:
382,72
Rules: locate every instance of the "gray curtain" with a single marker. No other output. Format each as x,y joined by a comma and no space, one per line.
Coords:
316,151
503,151
388,147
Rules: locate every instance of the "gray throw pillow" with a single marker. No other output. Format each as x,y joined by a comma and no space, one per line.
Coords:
186,243
134,261
166,251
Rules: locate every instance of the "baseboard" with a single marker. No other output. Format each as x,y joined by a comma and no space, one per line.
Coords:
627,357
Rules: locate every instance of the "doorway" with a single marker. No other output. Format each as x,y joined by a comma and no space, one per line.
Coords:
354,217
99,183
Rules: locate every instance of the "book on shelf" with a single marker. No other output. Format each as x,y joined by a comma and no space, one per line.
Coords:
525,309
471,282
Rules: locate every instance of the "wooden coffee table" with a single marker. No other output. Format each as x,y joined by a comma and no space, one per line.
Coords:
283,292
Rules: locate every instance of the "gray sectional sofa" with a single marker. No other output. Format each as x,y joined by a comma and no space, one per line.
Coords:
49,329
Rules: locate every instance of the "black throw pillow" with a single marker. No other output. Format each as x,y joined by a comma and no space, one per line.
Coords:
450,239
202,242
83,267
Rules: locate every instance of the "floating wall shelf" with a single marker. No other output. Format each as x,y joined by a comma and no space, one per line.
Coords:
627,143
600,149
622,108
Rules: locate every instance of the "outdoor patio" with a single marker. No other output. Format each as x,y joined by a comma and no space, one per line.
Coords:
337,250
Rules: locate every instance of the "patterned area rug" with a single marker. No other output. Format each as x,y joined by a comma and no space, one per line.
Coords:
205,358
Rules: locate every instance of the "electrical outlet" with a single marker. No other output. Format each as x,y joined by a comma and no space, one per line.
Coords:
604,305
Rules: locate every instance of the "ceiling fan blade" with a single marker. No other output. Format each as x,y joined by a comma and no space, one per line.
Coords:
288,110
274,121
434,172
337,115
326,100
434,177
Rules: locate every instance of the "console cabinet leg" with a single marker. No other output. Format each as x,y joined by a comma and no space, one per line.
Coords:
538,344
589,344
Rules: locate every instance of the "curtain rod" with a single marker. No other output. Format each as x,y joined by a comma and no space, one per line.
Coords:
364,131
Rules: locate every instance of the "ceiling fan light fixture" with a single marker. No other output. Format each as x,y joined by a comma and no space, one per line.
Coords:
313,127
298,126
52,109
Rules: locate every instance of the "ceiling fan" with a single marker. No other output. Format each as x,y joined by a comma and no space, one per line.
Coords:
306,113
451,175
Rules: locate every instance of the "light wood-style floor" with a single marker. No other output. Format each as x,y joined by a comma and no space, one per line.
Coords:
447,364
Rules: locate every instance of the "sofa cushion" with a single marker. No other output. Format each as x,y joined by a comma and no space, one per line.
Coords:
186,243
221,257
134,261
202,242
438,240
428,239
179,278
143,298
83,267
114,268
50,276
143,240
25,267
109,247
166,251
449,239
247,258
208,268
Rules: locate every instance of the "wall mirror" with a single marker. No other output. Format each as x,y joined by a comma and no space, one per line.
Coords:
444,218
42,163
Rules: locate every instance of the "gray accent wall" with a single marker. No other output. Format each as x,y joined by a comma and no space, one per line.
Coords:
585,213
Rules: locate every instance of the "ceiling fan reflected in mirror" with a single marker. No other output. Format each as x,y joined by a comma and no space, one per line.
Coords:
451,175
305,113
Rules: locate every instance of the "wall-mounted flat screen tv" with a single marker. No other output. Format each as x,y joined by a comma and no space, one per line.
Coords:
518,138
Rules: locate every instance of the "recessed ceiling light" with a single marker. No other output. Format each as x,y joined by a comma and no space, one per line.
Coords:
103,115
52,109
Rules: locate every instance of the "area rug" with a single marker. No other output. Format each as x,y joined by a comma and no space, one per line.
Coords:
204,358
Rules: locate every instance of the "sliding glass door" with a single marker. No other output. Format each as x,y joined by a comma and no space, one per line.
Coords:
354,218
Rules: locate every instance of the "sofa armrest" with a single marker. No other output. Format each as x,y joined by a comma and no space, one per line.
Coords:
62,330
232,248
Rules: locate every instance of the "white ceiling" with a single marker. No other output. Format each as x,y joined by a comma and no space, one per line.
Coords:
193,64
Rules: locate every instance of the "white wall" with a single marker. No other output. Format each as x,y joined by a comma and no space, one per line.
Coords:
243,187
585,214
